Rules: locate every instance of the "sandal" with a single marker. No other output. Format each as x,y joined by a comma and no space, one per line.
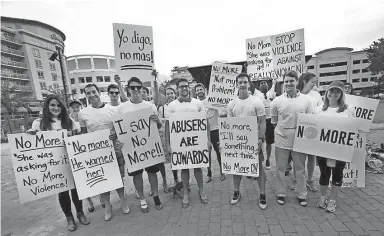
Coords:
203,200
222,177
144,206
185,204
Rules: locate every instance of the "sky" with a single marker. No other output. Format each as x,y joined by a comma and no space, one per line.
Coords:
199,32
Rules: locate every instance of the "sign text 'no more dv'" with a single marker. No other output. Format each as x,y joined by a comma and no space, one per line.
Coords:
189,140
239,146
41,164
326,136
94,164
271,56
222,88
133,51
142,144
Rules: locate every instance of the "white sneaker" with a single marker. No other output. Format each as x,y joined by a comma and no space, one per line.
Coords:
322,202
331,206
236,198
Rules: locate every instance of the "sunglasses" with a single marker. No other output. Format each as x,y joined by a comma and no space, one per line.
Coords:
134,87
114,93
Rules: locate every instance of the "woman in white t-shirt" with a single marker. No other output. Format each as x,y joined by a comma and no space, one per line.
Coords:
55,117
334,105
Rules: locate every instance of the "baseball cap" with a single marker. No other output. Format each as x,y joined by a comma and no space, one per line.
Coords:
74,102
336,84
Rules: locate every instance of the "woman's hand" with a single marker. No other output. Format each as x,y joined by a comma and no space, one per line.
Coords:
32,132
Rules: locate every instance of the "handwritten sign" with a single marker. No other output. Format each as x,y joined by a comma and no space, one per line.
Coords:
365,110
41,164
354,172
189,140
133,51
272,56
222,88
94,164
142,145
325,136
163,132
240,149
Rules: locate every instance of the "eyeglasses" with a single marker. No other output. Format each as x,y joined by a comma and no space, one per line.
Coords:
114,93
134,87
183,86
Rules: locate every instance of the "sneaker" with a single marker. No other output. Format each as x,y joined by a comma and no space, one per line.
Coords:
322,202
71,224
331,206
236,198
267,164
144,206
303,202
263,202
157,201
281,200
312,186
82,218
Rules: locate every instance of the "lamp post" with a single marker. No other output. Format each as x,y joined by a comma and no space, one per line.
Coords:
53,58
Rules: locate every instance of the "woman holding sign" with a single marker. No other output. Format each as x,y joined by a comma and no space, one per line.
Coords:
56,117
334,105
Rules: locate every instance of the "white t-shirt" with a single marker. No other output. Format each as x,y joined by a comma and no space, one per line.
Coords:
128,106
56,125
95,119
348,113
316,97
251,106
194,105
266,101
212,115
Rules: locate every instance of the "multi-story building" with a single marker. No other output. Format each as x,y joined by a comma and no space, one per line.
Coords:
26,46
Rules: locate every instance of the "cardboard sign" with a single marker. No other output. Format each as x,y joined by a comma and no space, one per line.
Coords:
189,140
354,172
163,132
133,51
142,145
94,164
41,164
365,109
272,56
222,88
325,136
239,146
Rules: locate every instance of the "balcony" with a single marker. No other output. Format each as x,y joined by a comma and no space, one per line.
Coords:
14,76
12,51
14,64
10,40
17,87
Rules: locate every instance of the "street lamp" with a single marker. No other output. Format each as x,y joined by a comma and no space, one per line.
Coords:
53,57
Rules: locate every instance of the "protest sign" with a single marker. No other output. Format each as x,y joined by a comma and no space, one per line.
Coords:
142,145
365,110
222,86
325,136
133,51
354,172
94,164
41,164
189,140
163,132
240,148
272,56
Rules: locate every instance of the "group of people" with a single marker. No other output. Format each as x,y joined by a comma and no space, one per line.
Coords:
275,113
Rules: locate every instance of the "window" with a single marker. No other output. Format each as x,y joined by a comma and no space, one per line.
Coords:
333,73
54,76
88,79
56,86
364,70
356,62
355,80
40,74
82,91
356,71
39,64
311,67
364,80
43,85
34,114
52,66
81,80
325,83
374,79
35,52
72,80
74,91
17,116
99,78
344,63
107,78
365,61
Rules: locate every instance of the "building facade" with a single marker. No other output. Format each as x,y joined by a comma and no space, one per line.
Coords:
26,46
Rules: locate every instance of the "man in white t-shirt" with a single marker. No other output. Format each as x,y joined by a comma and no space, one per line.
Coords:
135,103
97,116
213,124
184,103
246,105
284,112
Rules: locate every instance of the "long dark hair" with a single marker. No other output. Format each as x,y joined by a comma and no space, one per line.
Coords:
46,120
303,79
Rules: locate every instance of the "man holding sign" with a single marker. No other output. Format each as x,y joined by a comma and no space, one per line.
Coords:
248,105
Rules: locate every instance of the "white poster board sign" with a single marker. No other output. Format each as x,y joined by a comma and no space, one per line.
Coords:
94,164
272,56
325,136
365,110
354,172
133,51
142,144
189,140
222,86
41,164
239,146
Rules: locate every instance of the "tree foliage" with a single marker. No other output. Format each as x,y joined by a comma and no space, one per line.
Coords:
12,99
375,54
